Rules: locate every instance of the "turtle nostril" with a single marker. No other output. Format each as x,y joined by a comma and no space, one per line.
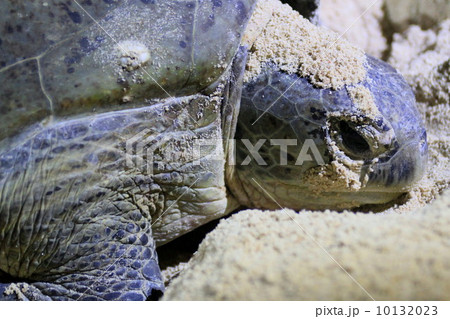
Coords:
352,141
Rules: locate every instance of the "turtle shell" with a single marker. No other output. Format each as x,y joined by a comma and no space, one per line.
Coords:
66,58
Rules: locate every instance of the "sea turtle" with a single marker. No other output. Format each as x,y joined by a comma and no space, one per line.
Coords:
103,106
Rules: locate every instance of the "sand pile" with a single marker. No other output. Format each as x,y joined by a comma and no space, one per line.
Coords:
401,253
400,14
347,17
297,46
282,255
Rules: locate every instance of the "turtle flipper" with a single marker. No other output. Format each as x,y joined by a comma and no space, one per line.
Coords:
133,276
93,259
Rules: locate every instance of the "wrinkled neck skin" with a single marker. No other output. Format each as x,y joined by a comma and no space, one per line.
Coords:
316,149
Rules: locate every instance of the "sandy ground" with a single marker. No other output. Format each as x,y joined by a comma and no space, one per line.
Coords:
281,255
401,253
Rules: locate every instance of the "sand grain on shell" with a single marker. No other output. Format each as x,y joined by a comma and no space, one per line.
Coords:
298,46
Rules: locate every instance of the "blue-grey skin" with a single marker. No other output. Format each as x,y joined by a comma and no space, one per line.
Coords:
77,222
306,112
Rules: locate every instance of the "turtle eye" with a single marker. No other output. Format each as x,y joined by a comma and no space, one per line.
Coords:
354,145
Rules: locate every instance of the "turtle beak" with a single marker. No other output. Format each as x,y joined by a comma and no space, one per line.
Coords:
390,163
402,169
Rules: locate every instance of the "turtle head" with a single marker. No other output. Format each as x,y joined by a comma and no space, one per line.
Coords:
299,146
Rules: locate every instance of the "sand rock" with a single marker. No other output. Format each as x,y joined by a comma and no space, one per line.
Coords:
402,13
281,255
358,21
423,57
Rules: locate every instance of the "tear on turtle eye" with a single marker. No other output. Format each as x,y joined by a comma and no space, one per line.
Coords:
354,145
